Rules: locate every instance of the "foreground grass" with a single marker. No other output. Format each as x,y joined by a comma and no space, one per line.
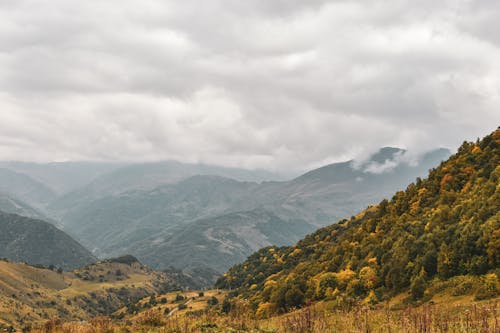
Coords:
481,317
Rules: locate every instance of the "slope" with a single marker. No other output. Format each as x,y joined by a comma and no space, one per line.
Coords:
195,213
11,205
37,242
31,295
25,188
444,226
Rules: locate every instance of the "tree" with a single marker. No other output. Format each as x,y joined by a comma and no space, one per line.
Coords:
294,297
418,285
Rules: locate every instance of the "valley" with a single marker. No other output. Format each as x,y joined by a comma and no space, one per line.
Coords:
426,259
204,219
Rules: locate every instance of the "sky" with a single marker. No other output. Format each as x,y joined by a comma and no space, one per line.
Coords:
282,84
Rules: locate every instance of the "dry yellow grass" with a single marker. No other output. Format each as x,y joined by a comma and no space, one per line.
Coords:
480,317
31,296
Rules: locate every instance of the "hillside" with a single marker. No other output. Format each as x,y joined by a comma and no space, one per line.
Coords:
202,212
25,188
445,226
219,242
37,242
12,205
30,295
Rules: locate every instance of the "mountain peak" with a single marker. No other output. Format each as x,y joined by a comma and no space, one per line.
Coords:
386,153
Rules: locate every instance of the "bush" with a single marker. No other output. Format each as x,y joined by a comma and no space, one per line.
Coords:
490,287
213,301
417,288
151,318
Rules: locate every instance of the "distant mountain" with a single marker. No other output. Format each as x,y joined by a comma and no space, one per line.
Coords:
111,225
62,177
11,205
25,188
34,241
201,212
219,242
443,226
145,177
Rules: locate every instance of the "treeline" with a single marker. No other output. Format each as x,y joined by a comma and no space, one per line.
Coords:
440,227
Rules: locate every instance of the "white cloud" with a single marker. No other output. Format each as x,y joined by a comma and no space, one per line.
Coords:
281,84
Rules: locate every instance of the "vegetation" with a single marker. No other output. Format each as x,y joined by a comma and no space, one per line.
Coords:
38,242
444,226
320,318
30,295
194,211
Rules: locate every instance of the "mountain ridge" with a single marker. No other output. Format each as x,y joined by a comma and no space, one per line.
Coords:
440,227
138,221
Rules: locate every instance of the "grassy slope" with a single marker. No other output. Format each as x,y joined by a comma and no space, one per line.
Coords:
33,295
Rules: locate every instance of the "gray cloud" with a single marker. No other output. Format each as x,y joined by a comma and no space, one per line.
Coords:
270,84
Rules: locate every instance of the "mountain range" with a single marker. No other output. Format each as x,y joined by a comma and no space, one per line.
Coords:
201,219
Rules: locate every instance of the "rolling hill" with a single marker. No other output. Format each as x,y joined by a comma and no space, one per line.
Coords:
31,295
443,227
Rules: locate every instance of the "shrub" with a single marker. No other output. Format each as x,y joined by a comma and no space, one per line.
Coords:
490,287
213,301
151,318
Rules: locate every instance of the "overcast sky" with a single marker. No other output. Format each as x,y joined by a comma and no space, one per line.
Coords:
255,83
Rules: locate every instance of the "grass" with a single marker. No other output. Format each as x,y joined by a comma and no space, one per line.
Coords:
31,296
480,317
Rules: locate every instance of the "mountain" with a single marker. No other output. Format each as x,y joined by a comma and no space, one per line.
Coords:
62,177
145,177
25,188
438,228
14,206
110,225
201,212
216,243
34,241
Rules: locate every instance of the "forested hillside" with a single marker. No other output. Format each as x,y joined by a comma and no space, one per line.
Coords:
38,242
444,226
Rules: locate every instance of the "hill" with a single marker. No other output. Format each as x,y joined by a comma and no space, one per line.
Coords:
219,221
35,241
31,295
445,226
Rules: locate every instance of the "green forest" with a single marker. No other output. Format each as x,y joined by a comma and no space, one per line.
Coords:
442,227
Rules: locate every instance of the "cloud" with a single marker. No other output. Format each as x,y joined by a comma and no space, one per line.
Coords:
268,84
